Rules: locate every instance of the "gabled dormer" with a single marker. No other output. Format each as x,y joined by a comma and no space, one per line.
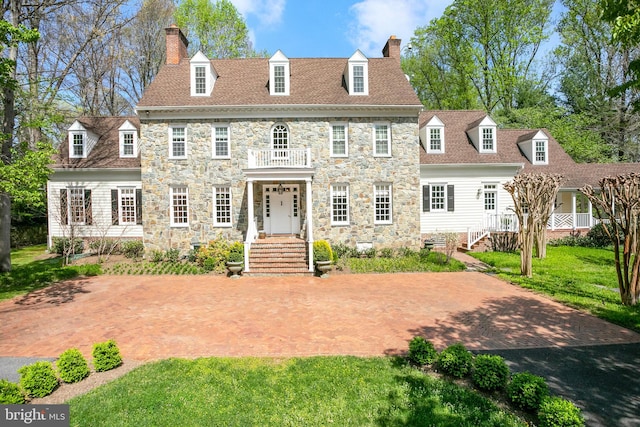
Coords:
483,136
279,74
356,74
536,149
432,136
128,139
203,76
81,141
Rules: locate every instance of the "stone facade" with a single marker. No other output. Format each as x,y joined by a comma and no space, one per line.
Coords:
361,170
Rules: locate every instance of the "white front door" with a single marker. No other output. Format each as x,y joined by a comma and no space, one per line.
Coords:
281,211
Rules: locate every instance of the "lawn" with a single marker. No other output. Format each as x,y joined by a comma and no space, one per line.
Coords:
316,391
583,278
412,262
28,273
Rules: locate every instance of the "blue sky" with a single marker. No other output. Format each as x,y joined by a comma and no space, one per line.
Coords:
334,28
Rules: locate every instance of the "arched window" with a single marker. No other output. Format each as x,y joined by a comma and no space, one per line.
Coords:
280,141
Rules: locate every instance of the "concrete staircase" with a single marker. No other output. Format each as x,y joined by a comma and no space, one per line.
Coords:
275,256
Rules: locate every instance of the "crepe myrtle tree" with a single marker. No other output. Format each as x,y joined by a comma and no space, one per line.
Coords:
617,202
533,196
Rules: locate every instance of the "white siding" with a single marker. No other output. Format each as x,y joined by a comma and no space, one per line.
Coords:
100,183
469,202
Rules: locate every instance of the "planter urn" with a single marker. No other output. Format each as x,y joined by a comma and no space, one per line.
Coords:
323,267
234,268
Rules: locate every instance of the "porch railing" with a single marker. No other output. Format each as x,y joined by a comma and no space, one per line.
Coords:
509,222
293,158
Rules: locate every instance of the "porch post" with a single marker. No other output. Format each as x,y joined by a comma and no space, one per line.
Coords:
251,226
309,222
590,210
573,210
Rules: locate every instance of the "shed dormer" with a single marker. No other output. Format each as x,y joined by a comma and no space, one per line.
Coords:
356,75
536,149
279,74
432,136
203,76
483,136
128,139
81,141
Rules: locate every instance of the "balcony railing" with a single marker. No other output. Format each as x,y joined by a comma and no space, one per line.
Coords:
294,158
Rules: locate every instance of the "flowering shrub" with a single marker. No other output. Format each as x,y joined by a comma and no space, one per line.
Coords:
214,255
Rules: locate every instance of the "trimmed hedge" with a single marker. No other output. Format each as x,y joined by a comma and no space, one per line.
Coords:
455,360
72,366
421,351
558,412
106,356
527,391
10,393
38,379
490,372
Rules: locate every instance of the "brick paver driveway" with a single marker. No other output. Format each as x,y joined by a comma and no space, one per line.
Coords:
154,317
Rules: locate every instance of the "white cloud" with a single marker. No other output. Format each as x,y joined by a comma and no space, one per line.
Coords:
267,12
376,20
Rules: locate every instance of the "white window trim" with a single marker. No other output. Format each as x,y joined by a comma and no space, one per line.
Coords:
358,59
490,190
493,139
135,143
375,151
390,220
84,144
431,150
84,206
186,132
200,60
445,196
215,217
346,139
213,140
348,220
171,212
546,152
121,220
279,59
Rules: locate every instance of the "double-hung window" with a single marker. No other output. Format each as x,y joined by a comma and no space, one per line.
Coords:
488,141
221,145
358,79
78,144
541,151
222,208
279,79
381,140
200,80
128,144
339,147
435,139
438,197
179,207
382,204
490,198
127,205
178,142
339,204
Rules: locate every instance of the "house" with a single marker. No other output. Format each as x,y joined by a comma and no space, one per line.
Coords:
313,148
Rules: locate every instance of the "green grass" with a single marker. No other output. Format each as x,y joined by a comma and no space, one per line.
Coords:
28,274
434,262
147,267
582,278
316,391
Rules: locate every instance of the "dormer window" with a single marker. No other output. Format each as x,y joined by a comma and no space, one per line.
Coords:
483,135
488,140
541,151
357,74
536,148
78,144
279,74
203,76
434,136
128,140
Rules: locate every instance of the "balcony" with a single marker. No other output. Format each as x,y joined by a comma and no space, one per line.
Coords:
293,158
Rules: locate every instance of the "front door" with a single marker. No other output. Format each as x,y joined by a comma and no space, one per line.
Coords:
281,209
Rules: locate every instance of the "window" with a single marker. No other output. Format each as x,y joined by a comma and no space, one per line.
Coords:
358,79
541,151
339,204
339,140
201,80
487,139
179,207
490,197
280,142
222,200
178,142
128,144
77,145
127,205
435,139
278,79
279,83
221,146
357,74
437,198
382,140
75,206
382,200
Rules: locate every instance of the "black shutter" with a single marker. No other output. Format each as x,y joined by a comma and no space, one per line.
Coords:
450,198
88,216
426,201
115,214
139,206
64,210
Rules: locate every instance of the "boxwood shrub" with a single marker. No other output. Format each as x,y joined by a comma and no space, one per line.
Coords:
421,351
455,360
526,391
10,393
72,366
558,412
132,249
490,372
106,356
38,379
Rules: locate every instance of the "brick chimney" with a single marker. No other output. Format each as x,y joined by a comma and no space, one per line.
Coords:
392,48
176,45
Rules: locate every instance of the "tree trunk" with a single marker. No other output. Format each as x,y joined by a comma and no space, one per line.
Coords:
5,233
541,241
